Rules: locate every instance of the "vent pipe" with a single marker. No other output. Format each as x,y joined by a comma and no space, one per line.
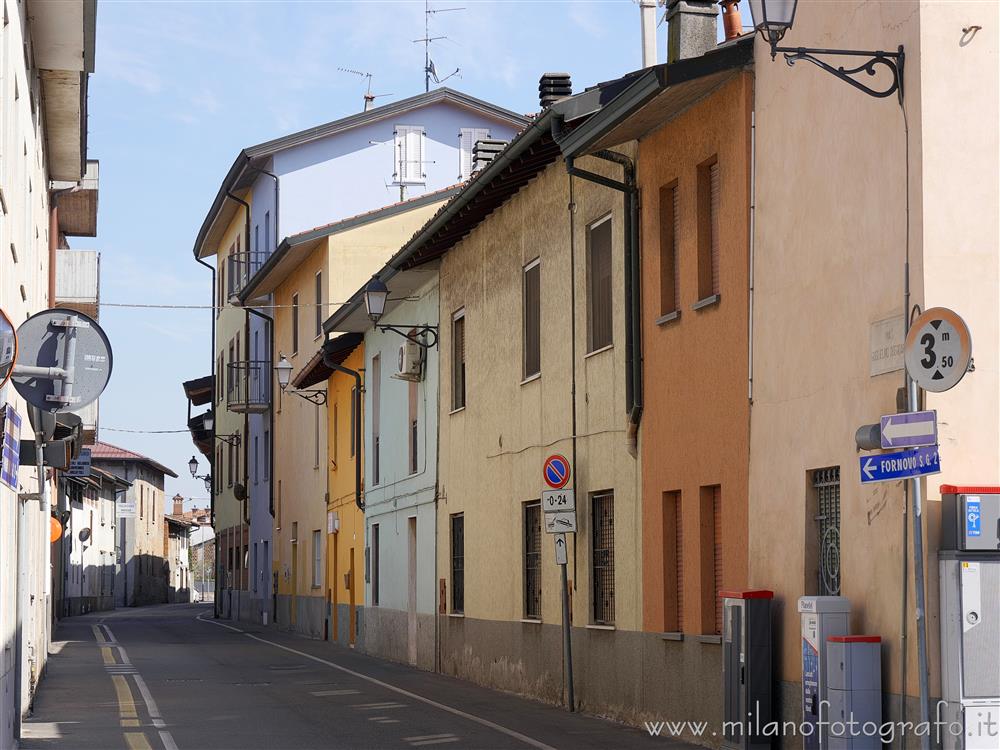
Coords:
647,10
552,87
732,24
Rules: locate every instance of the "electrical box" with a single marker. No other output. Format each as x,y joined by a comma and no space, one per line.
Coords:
822,617
970,632
970,518
746,668
409,362
854,689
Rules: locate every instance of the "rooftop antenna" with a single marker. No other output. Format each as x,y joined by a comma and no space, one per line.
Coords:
429,70
369,96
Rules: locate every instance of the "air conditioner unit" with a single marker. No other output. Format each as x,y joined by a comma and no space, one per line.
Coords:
409,364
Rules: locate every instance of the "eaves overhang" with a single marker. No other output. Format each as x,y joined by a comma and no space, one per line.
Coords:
654,97
334,350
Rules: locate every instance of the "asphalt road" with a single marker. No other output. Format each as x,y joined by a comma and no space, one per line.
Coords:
170,677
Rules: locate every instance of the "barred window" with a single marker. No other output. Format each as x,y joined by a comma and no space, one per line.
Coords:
533,560
458,563
826,484
603,560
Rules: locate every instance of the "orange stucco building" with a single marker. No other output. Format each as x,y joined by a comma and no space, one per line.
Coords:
694,176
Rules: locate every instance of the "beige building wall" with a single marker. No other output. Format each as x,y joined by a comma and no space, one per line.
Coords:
829,248
492,451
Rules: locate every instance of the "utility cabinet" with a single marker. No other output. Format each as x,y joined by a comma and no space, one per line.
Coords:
822,617
746,668
854,690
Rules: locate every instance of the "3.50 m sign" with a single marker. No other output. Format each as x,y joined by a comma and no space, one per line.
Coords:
938,350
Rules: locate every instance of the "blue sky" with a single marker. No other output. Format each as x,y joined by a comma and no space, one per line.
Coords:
181,87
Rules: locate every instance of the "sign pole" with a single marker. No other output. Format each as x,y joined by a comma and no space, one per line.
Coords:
567,649
918,581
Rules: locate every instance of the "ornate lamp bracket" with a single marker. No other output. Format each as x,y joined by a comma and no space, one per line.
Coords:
891,61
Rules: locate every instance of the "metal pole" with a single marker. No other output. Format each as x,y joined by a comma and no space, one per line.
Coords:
567,648
918,576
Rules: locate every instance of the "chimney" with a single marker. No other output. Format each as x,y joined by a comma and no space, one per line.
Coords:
647,10
691,29
178,505
485,151
731,21
552,87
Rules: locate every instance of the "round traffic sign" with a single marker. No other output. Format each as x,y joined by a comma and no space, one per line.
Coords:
8,347
556,471
938,349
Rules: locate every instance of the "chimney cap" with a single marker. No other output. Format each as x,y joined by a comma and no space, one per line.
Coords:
552,87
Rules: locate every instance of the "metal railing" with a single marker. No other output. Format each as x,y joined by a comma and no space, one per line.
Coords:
248,386
241,268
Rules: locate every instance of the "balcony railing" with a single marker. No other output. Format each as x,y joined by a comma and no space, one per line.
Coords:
248,386
242,267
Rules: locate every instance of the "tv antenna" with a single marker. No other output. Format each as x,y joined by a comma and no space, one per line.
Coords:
430,72
369,96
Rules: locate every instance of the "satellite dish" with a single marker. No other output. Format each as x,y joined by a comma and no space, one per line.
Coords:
64,360
84,535
8,348
240,491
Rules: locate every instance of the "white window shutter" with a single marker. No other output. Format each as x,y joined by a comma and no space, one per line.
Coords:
409,146
466,141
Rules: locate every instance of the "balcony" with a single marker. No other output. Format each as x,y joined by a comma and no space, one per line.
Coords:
248,387
242,267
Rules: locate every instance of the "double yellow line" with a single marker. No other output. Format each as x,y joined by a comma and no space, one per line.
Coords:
127,714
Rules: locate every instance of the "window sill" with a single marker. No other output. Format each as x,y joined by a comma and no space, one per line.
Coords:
531,621
456,411
668,318
315,587
709,639
672,636
598,351
601,627
707,302
458,615
531,378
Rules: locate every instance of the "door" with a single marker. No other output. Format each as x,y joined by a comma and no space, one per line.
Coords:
332,588
352,625
294,599
411,606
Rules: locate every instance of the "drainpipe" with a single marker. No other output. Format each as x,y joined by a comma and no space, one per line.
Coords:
633,319
277,187
356,408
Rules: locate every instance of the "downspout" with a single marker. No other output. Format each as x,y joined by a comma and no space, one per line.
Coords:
633,301
356,408
277,188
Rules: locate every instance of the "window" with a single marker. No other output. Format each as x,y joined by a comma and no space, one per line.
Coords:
221,373
256,460
458,563
467,140
319,303
409,155
267,455
669,238
217,470
267,231
599,285
413,427
375,565
826,489
142,502
708,229
295,323
376,415
673,564
354,417
533,560
711,559
603,562
336,434
532,313
317,550
458,360
229,464
256,237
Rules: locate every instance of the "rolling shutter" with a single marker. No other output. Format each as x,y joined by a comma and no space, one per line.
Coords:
713,177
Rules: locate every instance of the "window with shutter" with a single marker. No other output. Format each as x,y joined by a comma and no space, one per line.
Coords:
409,155
532,364
599,313
673,564
467,138
458,360
669,238
709,199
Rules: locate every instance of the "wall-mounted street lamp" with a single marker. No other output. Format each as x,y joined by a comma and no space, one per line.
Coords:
284,372
772,18
376,295
193,467
208,422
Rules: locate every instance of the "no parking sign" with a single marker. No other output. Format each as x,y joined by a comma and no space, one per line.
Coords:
555,471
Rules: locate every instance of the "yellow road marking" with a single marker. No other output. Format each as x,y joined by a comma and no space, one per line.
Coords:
126,705
137,741
107,655
98,634
130,722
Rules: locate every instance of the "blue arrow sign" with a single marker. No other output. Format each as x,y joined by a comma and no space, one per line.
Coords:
909,430
888,467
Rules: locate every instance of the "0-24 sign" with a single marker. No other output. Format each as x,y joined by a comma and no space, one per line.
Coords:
557,501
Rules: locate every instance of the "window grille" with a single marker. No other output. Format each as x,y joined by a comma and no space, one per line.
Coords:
533,561
603,562
826,482
458,563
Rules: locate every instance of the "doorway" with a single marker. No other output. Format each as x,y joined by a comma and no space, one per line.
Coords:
411,604
352,622
294,598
